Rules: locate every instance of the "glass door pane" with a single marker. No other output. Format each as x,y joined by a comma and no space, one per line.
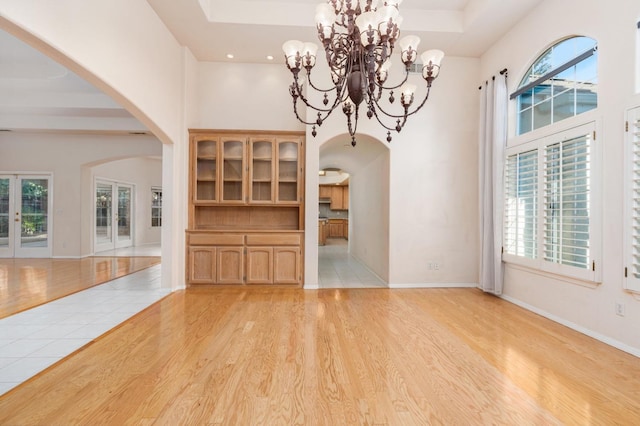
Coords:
124,213
35,213
288,172
104,231
206,170
262,171
233,170
5,212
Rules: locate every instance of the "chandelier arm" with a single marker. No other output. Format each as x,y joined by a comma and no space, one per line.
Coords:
406,114
307,103
336,87
395,129
383,87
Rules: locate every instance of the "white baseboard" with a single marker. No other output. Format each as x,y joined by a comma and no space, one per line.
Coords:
604,339
311,287
434,285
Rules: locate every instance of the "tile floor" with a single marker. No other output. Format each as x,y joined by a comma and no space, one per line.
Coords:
33,340
338,269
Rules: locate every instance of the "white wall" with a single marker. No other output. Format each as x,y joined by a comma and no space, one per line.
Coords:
65,156
120,46
588,309
369,215
243,96
433,182
144,173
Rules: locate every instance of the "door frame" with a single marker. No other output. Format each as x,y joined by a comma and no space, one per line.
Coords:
115,242
14,249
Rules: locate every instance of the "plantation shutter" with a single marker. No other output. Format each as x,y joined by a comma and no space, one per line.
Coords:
567,192
521,201
632,271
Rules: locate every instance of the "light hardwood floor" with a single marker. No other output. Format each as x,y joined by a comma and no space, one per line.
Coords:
26,283
336,357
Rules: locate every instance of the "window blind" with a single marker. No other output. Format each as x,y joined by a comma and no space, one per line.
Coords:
567,187
521,204
635,201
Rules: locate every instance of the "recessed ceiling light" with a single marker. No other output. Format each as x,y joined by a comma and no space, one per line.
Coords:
269,57
229,56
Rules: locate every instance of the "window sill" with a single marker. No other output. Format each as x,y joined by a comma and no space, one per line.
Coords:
558,277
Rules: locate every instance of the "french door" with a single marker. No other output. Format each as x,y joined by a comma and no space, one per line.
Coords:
25,223
113,215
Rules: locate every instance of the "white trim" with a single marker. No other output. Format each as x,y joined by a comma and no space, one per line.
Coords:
554,276
602,338
311,287
433,285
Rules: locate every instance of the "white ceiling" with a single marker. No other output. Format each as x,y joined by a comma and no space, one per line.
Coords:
36,93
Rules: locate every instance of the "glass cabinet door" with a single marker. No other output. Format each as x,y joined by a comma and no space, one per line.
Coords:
261,169
206,172
233,169
288,171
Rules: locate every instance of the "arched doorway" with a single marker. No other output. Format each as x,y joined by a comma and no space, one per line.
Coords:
364,259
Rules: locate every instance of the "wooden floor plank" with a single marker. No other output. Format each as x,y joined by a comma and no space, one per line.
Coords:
358,356
27,283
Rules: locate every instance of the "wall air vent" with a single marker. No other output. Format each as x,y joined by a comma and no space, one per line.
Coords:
416,68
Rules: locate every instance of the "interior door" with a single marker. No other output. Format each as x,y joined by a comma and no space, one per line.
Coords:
7,216
113,216
25,223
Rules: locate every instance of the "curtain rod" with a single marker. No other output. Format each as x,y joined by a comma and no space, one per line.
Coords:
503,72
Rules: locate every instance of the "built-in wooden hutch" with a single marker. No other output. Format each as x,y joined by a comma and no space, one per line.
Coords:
246,207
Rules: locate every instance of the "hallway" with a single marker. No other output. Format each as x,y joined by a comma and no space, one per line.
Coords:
338,269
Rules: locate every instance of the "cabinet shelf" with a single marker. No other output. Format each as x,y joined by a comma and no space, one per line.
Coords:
206,157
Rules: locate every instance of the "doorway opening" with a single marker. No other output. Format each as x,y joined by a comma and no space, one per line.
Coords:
353,196
113,215
25,220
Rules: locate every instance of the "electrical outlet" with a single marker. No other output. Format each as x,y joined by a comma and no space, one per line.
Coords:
436,266
620,309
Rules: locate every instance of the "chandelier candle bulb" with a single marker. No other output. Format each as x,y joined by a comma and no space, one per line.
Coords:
359,38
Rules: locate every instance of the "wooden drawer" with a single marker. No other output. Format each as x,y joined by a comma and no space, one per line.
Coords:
273,239
216,239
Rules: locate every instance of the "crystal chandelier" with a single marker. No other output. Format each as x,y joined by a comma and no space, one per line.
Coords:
358,39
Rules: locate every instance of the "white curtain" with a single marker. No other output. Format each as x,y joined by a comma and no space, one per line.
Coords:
492,143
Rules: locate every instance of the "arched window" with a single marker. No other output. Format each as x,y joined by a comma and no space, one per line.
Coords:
561,83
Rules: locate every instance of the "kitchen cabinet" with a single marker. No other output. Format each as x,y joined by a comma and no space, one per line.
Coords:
339,197
336,228
324,191
246,215
323,225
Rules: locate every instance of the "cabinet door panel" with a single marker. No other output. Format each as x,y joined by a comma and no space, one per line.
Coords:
336,198
288,171
202,265
261,170
230,265
233,170
259,265
324,191
286,265
205,162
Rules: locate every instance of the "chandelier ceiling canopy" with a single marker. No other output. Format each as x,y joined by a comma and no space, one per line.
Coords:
359,37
